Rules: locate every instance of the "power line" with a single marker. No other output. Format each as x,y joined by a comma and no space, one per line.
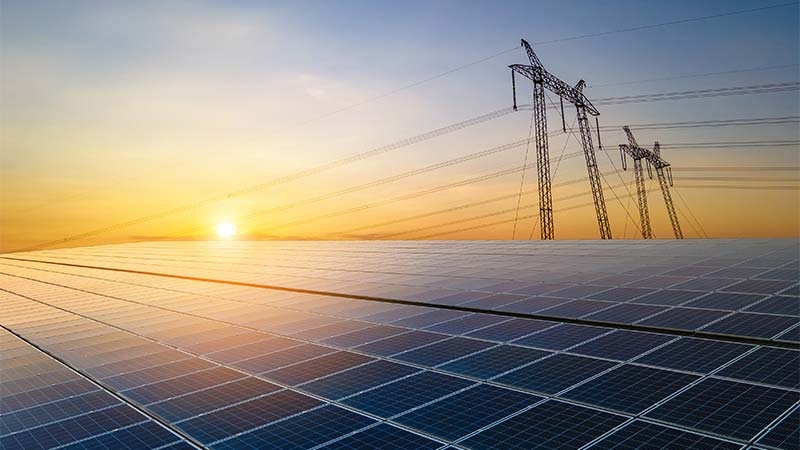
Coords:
282,180
388,148
736,186
695,75
690,212
413,195
664,24
760,121
544,42
522,179
760,179
737,169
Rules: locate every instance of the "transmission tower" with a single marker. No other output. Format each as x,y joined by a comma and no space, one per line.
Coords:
664,174
638,153
542,79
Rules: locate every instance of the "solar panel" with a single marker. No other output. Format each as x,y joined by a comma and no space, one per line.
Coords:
641,435
406,393
492,362
726,408
562,336
784,434
386,437
630,388
696,355
621,344
464,344
467,411
302,431
551,425
767,365
554,374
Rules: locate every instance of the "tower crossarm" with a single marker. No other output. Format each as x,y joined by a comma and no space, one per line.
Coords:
538,74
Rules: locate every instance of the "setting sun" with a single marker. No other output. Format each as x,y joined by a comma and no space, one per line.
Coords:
226,230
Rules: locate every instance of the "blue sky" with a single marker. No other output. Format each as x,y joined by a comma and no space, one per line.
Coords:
102,94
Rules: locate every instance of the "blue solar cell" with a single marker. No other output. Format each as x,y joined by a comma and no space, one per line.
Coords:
394,398
630,388
696,355
752,324
318,367
562,336
552,425
577,291
358,379
195,403
494,301
45,394
158,373
555,374
539,288
494,361
58,410
622,345
274,360
684,318
303,431
726,408
704,284
668,297
640,435
691,271
625,313
779,304
400,343
244,416
384,437
657,282
784,435
467,411
793,291
790,335
443,351
466,324
459,298
174,387
359,337
736,272
252,350
759,286
138,363
767,365
514,328
533,305
576,308
145,435
621,294
429,318
239,337
725,301
790,274
72,429
330,330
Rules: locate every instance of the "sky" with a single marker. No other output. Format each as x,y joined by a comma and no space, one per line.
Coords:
129,121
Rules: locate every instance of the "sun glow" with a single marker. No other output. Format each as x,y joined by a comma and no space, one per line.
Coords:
226,230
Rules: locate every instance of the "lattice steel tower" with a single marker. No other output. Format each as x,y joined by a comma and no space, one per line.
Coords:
664,174
542,79
638,154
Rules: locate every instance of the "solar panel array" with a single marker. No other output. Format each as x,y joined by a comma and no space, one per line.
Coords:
350,345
